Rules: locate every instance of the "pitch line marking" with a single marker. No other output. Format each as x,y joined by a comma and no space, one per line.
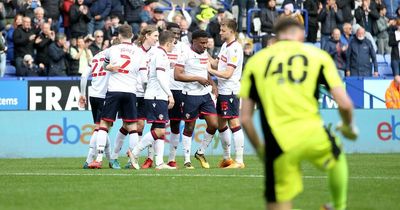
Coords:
186,175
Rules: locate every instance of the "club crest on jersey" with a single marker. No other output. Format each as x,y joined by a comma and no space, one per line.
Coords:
187,115
161,117
154,104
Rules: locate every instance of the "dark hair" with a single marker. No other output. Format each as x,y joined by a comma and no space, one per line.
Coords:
125,31
199,34
229,23
172,25
284,23
165,37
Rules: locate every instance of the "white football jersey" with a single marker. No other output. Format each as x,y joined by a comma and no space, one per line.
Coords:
230,55
194,64
146,55
100,77
159,70
178,50
125,55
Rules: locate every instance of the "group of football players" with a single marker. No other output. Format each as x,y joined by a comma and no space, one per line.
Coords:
159,79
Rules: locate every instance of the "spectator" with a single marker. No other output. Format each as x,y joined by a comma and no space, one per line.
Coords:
28,7
177,18
391,8
288,12
359,56
366,16
330,17
42,44
214,28
116,10
132,11
383,36
312,7
65,9
337,51
394,42
38,19
52,8
24,39
58,56
112,31
346,6
10,37
392,95
99,10
347,35
186,36
98,44
79,17
247,53
268,17
81,54
29,68
211,48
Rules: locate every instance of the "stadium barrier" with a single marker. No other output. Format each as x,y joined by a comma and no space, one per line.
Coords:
35,134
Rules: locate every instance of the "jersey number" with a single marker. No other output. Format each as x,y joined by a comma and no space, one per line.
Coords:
127,62
101,71
279,70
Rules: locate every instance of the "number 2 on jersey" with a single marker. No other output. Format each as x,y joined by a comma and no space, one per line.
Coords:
124,65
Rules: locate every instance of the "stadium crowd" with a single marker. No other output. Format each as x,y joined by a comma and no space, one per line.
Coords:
59,37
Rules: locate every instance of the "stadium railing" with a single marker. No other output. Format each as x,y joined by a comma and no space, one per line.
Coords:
254,10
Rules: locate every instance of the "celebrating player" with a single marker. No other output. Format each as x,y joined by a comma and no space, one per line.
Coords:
124,65
229,64
97,93
283,80
175,114
192,68
158,99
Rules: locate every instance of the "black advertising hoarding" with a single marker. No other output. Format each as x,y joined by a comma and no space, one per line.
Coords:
54,95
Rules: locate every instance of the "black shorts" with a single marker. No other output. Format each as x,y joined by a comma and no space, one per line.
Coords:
156,111
97,105
228,106
141,108
122,103
176,112
194,106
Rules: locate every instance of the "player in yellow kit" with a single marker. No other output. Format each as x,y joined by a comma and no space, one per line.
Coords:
283,80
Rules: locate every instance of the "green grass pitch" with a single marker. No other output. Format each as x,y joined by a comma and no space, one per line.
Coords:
59,183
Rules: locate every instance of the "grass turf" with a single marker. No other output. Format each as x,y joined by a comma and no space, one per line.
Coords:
59,183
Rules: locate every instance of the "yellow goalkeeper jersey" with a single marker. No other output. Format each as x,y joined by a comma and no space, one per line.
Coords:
283,79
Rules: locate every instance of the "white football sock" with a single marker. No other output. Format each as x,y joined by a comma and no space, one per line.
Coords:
173,145
101,143
159,151
187,147
107,149
225,138
92,148
147,140
119,142
204,144
238,138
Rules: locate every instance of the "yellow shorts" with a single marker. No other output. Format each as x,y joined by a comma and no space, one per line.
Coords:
283,174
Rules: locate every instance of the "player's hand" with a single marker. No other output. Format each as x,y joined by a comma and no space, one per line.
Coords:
82,101
348,131
171,102
204,82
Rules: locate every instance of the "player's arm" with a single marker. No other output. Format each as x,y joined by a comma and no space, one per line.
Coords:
83,83
179,75
249,96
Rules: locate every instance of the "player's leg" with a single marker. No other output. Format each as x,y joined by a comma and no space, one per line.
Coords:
207,109
173,141
238,140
